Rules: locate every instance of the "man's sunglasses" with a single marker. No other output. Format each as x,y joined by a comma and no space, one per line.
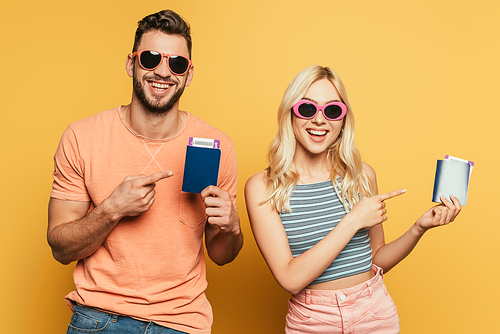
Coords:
332,111
151,59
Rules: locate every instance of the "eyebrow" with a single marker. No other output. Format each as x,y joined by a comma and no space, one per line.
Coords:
308,99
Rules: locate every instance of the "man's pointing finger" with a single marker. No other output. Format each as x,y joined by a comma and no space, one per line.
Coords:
157,177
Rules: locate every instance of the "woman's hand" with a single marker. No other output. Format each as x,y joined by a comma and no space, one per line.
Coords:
439,215
371,211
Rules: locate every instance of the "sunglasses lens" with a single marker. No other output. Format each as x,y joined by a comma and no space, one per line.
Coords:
150,59
178,64
307,110
333,112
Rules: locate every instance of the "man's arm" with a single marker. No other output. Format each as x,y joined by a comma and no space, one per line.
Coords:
74,234
223,237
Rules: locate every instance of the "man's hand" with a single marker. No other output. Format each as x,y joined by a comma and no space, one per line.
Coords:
134,195
220,210
223,236
73,234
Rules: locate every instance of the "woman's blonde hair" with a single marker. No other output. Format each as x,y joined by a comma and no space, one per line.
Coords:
282,176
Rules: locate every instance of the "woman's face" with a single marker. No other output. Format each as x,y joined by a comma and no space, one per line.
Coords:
316,135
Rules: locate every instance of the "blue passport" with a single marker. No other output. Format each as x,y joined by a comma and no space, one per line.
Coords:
201,168
452,178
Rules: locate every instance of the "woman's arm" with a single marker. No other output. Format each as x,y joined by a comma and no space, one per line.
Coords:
388,255
294,274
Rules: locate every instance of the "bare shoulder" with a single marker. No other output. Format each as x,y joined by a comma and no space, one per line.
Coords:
368,169
256,191
372,178
256,182
370,172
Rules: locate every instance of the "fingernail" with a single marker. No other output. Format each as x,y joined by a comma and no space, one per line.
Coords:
403,191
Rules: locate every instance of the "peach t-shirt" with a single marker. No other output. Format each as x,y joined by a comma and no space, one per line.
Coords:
150,267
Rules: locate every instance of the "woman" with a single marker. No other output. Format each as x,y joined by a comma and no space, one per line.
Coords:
317,217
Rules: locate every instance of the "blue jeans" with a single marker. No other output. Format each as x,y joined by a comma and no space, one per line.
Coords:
89,320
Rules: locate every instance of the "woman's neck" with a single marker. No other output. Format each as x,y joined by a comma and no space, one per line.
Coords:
313,169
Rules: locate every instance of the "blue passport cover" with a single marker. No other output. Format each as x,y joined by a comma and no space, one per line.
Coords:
201,168
452,178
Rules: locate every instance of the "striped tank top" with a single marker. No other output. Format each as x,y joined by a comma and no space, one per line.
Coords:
316,210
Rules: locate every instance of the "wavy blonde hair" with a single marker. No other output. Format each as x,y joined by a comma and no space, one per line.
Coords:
282,176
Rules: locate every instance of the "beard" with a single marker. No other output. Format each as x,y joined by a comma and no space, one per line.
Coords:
155,105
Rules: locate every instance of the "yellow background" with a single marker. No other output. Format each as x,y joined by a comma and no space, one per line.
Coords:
422,77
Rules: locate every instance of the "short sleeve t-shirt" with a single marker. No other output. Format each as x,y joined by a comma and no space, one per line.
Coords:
150,267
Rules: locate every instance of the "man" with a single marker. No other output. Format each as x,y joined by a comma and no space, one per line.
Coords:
117,207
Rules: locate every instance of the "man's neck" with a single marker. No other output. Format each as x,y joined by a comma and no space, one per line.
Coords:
151,125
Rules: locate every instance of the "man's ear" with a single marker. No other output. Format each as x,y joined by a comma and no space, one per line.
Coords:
190,75
129,65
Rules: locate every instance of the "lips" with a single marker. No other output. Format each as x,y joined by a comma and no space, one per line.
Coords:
317,132
159,87
317,135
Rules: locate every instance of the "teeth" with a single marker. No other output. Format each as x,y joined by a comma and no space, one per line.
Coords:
159,85
317,133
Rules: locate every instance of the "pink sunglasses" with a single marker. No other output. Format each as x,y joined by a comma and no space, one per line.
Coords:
332,111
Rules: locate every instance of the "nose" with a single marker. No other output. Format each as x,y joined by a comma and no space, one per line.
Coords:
162,69
319,118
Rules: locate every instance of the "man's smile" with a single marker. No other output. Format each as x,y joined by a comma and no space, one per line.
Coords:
158,87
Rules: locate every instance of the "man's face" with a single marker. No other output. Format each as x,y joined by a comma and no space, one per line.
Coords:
159,90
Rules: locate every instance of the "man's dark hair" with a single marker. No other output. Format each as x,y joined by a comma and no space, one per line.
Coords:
166,21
